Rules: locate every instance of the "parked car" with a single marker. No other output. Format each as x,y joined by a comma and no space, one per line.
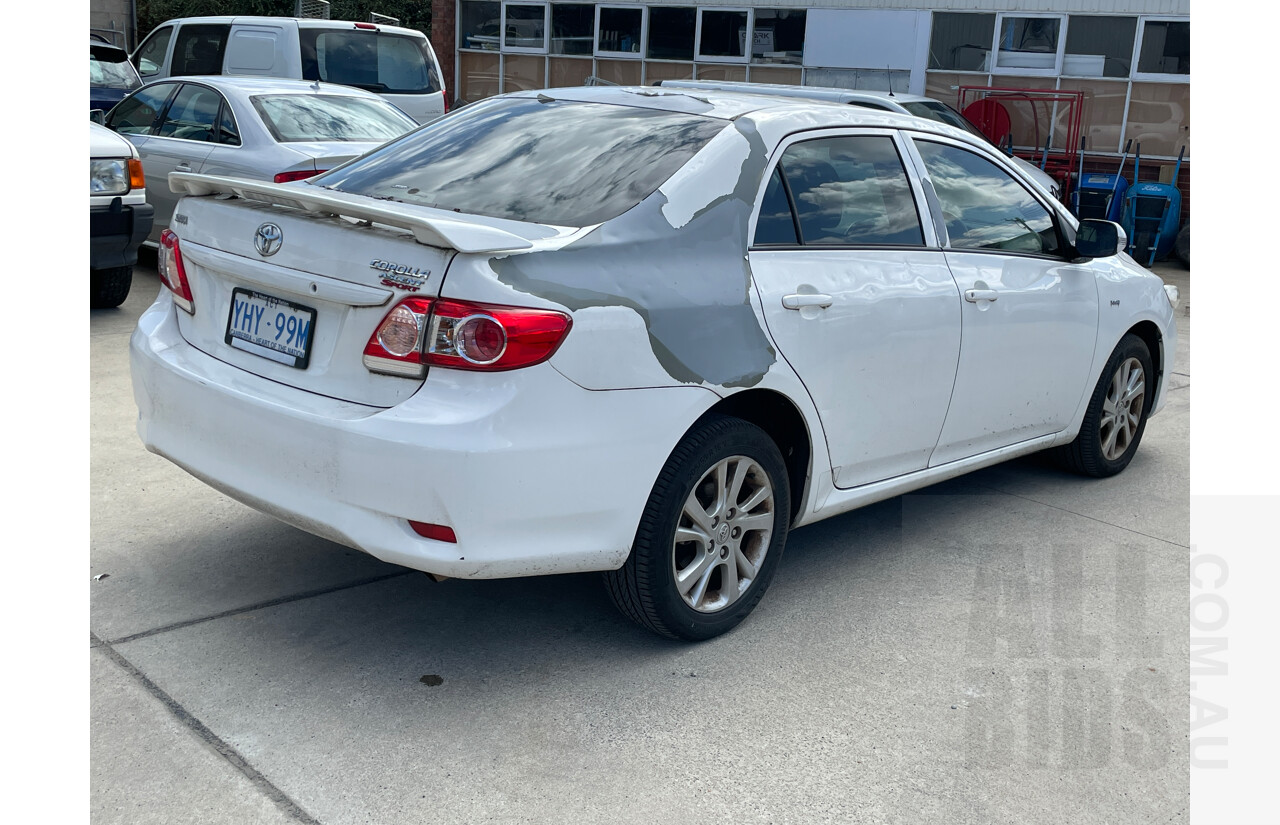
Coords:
111,75
119,216
640,331
917,105
252,127
395,62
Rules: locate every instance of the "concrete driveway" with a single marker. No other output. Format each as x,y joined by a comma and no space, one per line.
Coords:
1010,646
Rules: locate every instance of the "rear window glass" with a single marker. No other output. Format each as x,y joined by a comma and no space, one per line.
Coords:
295,118
555,162
374,61
942,113
107,72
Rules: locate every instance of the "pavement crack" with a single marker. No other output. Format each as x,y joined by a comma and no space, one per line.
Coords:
1083,515
236,611
225,750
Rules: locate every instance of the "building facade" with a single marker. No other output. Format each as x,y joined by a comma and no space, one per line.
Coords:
1126,64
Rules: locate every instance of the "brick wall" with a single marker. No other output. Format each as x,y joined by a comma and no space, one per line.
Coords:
443,39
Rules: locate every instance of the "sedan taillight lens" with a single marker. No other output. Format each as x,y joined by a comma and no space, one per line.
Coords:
172,273
462,335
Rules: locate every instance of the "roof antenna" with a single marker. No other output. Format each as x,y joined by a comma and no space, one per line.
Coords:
890,76
316,84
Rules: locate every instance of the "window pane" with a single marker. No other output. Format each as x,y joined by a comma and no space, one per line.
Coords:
1099,46
724,34
479,25
961,42
671,32
653,72
523,72
779,36
621,72
375,62
570,71
719,71
192,115
775,74
1103,112
1160,118
296,118
558,162
526,27
944,86
572,28
620,30
775,225
151,55
983,207
1166,48
1028,43
199,50
479,76
135,115
228,132
851,190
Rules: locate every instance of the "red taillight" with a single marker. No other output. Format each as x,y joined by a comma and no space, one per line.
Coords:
444,93
434,531
418,332
489,337
301,174
395,347
368,26
172,273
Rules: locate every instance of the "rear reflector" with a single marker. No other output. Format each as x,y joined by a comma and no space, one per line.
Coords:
301,174
438,532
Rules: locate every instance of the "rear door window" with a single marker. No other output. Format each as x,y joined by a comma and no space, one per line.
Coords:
528,159
374,61
193,114
199,49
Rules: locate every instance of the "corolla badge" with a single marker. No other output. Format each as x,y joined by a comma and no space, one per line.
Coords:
400,276
267,239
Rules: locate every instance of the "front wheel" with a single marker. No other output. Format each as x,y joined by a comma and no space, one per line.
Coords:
711,534
1117,413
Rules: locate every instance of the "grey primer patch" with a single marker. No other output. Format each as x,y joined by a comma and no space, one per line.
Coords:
690,285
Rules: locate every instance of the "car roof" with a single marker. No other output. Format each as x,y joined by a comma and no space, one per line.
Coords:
245,85
829,94
302,22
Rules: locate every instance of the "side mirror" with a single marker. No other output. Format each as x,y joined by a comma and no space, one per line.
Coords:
98,116
1100,239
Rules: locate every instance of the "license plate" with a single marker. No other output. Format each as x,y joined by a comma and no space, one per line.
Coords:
271,327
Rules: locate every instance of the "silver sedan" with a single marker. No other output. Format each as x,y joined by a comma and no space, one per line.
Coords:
249,127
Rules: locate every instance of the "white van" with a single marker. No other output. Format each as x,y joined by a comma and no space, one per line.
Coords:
394,62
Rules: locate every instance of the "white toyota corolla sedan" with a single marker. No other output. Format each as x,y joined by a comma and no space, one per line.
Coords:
639,331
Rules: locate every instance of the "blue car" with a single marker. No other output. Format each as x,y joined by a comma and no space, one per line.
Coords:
111,75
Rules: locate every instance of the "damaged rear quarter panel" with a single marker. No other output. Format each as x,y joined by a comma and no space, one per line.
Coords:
671,273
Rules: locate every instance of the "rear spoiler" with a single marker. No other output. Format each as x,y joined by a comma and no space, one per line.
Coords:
461,235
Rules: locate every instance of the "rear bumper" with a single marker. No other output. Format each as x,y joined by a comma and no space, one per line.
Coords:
533,473
116,232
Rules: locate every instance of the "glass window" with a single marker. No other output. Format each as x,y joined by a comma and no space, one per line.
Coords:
199,49
671,30
1099,46
480,25
374,61
572,28
299,118
778,36
776,224
150,56
776,74
523,72
1103,113
557,162
619,72
107,73
619,30
478,75
228,132
193,115
136,114
718,71
1160,118
570,71
851,190
1166,48
961,42
723,34
526,27
984,208
942,113
655,72
1028,43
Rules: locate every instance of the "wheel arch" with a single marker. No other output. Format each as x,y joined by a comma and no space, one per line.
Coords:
1151,336
783,422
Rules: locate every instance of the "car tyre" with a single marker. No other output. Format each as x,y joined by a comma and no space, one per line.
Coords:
711,535
109,287
1117,413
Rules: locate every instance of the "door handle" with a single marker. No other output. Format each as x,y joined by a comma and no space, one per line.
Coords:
807,299
182,167
973,296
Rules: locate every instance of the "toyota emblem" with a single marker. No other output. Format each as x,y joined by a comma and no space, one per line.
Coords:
267,239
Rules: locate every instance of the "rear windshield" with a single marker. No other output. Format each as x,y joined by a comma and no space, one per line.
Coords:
376,61
942,113
295,118
112,74
538,160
